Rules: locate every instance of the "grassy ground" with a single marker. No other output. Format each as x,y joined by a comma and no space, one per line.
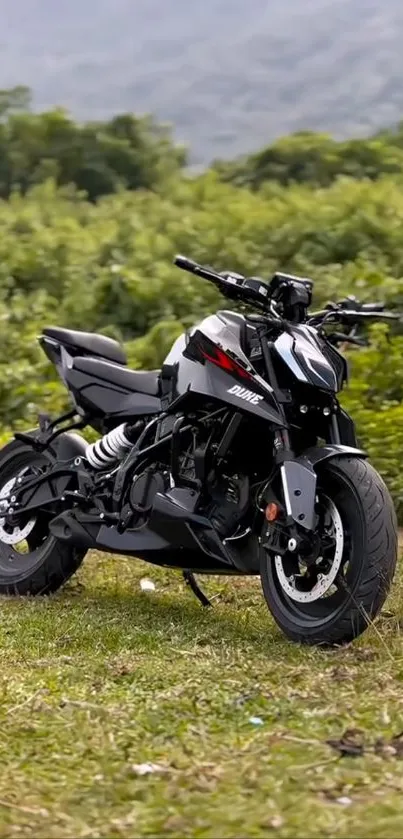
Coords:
235,720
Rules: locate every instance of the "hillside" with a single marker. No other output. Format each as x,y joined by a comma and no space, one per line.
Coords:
230,75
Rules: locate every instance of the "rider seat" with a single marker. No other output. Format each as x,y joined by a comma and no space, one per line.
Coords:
87,342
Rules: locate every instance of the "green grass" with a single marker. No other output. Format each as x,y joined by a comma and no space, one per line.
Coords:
105,677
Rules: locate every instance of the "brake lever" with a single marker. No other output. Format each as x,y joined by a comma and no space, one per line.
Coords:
340,338
342,305
356,316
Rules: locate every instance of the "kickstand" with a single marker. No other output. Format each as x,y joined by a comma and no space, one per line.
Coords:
190,581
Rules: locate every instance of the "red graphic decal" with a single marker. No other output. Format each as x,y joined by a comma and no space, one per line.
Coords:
221,359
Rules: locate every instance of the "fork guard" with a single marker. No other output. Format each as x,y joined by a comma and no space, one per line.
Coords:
299,479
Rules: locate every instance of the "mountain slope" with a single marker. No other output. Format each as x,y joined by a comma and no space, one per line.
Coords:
231,75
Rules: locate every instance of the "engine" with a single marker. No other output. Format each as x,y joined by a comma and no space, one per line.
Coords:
221,485
143,491
229,503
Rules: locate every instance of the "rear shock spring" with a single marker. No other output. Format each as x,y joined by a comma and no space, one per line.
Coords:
110,448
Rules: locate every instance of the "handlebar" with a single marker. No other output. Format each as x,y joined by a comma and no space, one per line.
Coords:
352,316
350,310
228,284
204,271
260,294
185,263
193,267
351,303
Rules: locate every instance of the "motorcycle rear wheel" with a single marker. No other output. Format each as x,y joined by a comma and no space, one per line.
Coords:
362,528
32,561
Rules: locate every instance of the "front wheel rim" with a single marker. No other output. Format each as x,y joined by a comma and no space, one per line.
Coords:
324,581
314,616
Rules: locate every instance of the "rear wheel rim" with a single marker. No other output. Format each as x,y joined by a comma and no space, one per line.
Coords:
14,534
23,540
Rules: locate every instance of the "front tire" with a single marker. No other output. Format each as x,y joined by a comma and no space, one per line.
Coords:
365,573
39,563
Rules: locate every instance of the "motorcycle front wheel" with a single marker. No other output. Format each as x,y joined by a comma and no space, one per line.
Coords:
334,597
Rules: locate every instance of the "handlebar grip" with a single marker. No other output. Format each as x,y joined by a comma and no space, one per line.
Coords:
185,263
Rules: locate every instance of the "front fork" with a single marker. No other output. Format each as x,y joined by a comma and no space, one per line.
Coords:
298,480
298,483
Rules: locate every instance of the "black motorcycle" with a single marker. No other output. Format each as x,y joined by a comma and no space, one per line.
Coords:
234,458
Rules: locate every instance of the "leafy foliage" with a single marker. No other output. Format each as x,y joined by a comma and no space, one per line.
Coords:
98,157
375,400
307,157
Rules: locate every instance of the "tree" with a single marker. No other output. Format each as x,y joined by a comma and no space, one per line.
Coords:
98,157
316,159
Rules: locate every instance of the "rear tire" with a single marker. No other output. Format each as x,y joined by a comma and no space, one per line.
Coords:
48,563
369,559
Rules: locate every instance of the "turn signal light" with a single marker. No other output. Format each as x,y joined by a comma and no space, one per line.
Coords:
272,511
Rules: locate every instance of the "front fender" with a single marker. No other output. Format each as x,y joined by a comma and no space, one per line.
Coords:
299,480
317,454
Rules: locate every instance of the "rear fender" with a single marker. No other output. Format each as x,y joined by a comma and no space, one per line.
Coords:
65,446
69,445
299,478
